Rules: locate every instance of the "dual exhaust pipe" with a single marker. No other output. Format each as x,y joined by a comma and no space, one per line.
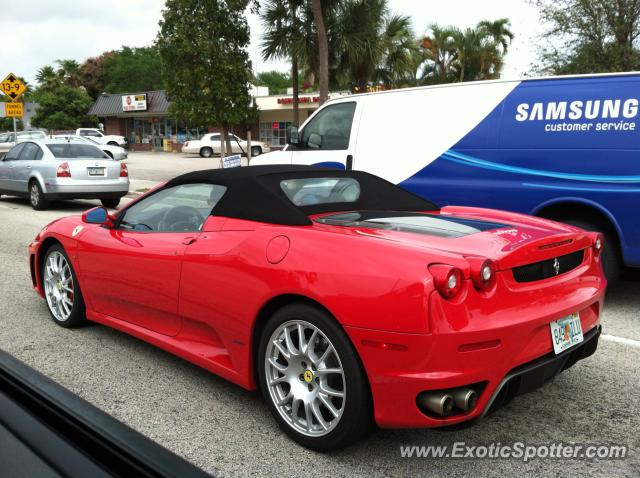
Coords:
443,403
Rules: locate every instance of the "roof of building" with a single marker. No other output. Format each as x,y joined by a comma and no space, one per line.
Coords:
254,193
111,104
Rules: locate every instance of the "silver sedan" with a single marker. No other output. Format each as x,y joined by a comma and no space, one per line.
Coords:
53,169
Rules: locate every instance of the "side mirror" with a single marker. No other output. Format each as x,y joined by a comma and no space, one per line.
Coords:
315,141
293,136
97,215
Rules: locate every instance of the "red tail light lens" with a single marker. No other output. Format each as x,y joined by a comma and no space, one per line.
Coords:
483,273
63,171
447,279
124,172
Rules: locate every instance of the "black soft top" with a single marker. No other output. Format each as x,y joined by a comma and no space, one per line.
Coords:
254,193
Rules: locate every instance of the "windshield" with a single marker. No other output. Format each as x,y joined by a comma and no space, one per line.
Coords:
76,151
311,191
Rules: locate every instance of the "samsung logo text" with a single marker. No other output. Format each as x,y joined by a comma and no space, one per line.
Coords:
575,110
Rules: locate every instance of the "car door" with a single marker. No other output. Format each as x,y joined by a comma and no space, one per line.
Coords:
7,166
132,271
28,161
327,140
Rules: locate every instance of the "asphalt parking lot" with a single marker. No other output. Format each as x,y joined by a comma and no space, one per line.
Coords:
226,430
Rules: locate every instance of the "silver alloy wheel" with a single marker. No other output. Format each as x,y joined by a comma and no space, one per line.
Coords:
34,194
58,286
305,378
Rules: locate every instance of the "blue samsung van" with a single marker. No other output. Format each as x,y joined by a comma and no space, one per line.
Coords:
564,148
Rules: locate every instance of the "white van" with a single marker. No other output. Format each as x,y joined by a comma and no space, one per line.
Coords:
565,148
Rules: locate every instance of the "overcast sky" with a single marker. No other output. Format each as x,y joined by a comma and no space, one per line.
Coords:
48,30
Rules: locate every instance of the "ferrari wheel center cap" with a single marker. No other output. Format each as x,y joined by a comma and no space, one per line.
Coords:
308,376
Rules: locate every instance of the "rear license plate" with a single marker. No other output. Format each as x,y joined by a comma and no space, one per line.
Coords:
566,332
95,171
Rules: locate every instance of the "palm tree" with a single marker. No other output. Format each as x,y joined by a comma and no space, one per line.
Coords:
47,78
374,45
441,49
323,50
69,72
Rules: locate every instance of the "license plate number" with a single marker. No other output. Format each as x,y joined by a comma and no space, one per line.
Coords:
566,333
95,171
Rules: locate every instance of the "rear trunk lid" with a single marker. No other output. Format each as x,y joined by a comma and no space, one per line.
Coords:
510,240
93,169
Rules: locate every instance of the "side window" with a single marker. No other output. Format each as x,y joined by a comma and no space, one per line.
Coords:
14,152
330,129
182,208
214,137
30,152
84,132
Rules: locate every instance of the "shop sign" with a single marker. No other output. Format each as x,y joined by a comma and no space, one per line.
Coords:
134,102
302,99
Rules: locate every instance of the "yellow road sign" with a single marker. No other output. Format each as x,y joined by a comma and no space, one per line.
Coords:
13,87
13,110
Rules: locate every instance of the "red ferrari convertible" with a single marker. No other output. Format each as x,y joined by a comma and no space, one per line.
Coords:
346,300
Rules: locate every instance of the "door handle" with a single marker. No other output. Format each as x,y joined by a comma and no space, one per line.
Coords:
349,165
189,240
28,167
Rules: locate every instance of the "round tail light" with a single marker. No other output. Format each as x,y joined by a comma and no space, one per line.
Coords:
447,280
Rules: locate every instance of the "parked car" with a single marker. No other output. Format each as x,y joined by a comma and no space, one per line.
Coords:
561,148
8,140
114,152
342,297
209,144
99,137
52,169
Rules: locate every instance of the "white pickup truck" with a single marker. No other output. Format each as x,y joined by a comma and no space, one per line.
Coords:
99,137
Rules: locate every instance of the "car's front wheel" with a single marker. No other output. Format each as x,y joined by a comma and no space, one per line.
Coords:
256,151
37,197
312,379
61,289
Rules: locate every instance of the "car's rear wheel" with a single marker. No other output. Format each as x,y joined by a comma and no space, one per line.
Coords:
61,289
206,152
312,379
256,151
37,197
110,203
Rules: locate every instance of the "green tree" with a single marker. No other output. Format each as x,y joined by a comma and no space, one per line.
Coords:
132,69
374,45
589,36
47,78
6,124
69,72
92,74
277,81
284,22
62,107
203,45
451,54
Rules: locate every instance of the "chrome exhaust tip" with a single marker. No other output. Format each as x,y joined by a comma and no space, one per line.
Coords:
439,403
464,398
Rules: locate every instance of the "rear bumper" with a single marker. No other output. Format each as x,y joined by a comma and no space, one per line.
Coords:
501,349
87,189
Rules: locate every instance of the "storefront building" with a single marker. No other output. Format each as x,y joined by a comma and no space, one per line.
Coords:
143,119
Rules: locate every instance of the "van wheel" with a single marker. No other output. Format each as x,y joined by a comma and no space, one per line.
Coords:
36,197
206,152
611,256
